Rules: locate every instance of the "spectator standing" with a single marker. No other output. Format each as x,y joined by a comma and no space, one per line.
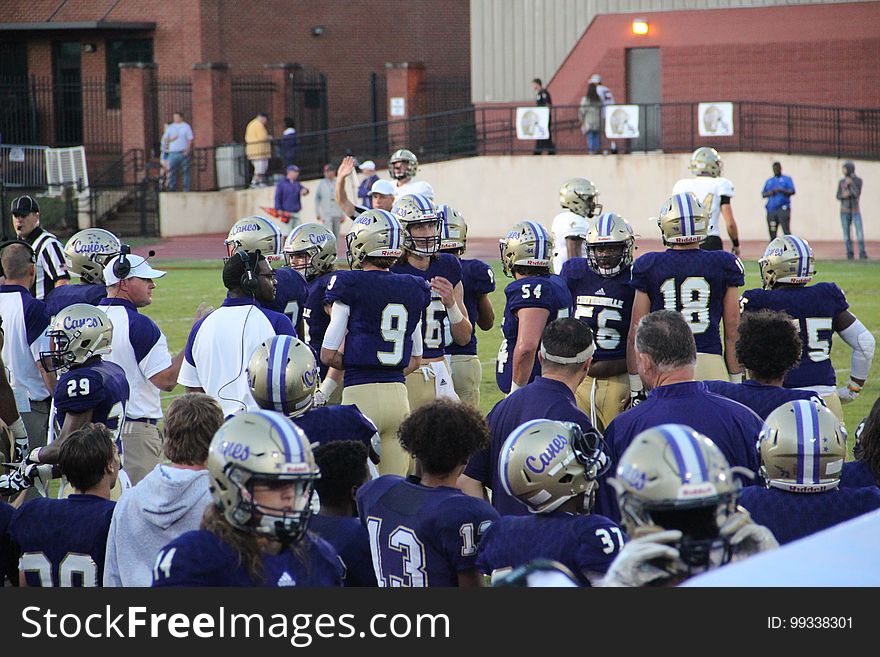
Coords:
849,189
288,198
328,210
590,115
607,99
51,270
163,158
289,143
381,192
258,148
368,168
178,139
778,191
542,99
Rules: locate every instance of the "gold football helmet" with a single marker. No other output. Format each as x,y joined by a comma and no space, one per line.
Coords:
527,244
310,249
76,334
262,447
409,164
787,259
89,250
412,210
255,233
283,376
803,446
544,463
683,219
605,231
705,161
581,197
454,231
375,233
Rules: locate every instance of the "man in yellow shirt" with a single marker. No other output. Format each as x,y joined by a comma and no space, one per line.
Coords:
258,148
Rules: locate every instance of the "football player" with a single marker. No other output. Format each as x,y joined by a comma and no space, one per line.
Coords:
310,249
865,469
343,472
263,476
820,311
257,233
768,346
714,193
63,542
603,298
701,285
403,166
551,468
87,252
803,446
534,299
677,498
425,532
579,200
378,314
478,281
446,319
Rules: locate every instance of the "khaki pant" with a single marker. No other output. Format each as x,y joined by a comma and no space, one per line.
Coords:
466,376
142,447
421,388
386,404
832,401
36,421
711,367
609,397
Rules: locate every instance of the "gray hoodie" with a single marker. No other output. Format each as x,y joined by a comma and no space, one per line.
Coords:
166,503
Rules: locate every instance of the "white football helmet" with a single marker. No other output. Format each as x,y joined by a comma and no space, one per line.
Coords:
255,233
77,333
88,252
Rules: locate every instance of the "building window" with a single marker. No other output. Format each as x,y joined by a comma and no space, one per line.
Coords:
119,51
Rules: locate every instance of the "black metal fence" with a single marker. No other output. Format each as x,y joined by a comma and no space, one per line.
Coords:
250,96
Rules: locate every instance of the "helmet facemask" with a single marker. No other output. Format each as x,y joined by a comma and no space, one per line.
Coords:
616,256
301,262
423,245
59,355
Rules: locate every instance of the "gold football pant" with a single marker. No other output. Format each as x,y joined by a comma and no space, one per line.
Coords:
603,399
386,404
466,376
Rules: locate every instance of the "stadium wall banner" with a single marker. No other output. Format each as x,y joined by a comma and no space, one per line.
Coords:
715,119
532,122
621,121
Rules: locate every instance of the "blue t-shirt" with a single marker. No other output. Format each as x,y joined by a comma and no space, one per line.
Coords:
421,536
778,199
693,282
328,423
67,295
201,558
63,541
602,303
541,399
436,333
547,292
857,474
814,308
791,516
583,543
477,279
760,398
315,318
349,538
384,311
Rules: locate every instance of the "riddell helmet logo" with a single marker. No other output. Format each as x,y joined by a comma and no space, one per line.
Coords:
536,263
696,490
392,253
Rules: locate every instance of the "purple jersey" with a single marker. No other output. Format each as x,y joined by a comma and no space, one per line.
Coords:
349,538
477,279
692,282
421,536
63,541
328,423
760,398
814,308
731,426
201,558
67,295
541,399
8,549
435,329
547,292
603,304
99,386
791,516
857,474
583,543
290,295
384,311
315,318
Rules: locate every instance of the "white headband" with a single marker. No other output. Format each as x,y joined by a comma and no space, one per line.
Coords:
582,357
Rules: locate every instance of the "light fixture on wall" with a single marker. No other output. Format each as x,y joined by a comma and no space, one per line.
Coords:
89,47
318,30
640,26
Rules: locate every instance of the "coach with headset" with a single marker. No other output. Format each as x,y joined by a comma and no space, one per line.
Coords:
220,345
140,348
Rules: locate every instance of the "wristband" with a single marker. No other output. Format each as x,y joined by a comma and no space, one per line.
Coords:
735,242
635,383
854,387
18,429
327,387
736,377
454,314
34,456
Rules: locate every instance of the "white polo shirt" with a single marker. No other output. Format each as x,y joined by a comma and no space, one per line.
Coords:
220,346
414,187
141,349
708,191
25,321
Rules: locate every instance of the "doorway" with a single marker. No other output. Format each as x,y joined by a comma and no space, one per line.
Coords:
643,89
68,102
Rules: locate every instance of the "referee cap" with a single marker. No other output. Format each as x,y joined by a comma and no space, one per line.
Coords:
140,268
25,205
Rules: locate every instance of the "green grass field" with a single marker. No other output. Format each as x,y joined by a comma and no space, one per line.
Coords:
191,281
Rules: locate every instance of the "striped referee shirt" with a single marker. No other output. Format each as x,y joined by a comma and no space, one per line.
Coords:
51,264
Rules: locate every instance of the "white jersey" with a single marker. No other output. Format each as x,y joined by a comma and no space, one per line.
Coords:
565,224
414,187
708,191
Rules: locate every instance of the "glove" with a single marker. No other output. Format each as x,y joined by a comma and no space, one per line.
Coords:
849,392
747,537
633,566
14,482
319,398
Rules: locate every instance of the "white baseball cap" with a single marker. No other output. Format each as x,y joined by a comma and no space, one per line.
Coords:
369,164
140,268
596,79
382,187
